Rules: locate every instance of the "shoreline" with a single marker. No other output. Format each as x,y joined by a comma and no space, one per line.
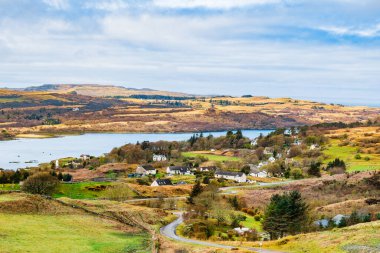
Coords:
43,135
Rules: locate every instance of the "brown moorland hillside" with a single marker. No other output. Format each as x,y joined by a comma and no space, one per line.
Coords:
68,110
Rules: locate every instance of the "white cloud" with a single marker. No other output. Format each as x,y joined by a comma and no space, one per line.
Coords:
373,31
57,4
211,4
107,5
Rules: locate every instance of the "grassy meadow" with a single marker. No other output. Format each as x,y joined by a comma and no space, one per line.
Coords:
66,233
348,153
216,158
83,190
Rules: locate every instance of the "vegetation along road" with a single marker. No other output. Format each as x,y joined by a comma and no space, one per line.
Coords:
170,232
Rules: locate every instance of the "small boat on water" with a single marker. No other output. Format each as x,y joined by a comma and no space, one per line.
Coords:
32,161
14,162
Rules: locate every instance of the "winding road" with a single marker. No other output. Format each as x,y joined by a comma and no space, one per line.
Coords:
170,232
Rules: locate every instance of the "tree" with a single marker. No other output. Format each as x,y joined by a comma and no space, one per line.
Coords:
67,177
315,169
40,183
195,191
285,214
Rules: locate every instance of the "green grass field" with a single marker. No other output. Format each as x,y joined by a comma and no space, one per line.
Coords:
80,190
250,222
9,187
348,153
66,233
216,158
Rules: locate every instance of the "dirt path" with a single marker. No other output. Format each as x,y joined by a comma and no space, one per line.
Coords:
170,232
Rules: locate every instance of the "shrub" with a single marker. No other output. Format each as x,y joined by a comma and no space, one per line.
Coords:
40,183
367,158
257,217
358,157
296,173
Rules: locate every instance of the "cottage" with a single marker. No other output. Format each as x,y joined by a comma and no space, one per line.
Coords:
268,151
161,182
178,170
85,157
208,169
146,170
297,142
159,158
239,177
313,147
271,159
242,230
254,142
257,173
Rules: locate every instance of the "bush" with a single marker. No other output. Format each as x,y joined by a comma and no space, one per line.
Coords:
296,173
67,177
358,157
367,158
40,183
257,217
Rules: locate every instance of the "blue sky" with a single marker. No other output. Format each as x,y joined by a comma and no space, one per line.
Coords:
326,50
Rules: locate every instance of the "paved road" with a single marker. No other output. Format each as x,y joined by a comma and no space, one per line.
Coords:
169,231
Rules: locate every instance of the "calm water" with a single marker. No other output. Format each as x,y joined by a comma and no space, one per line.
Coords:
23,151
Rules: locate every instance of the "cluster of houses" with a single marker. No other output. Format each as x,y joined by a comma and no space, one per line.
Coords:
146,170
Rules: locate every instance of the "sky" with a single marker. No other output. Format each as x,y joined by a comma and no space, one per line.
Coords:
323,50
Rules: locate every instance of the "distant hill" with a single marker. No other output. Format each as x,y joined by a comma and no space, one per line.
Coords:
95,90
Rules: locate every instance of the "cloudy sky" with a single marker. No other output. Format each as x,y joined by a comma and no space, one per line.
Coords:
326,50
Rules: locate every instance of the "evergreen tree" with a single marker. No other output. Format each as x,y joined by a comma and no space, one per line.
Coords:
60,176
239,135
315,169
195,191
285,214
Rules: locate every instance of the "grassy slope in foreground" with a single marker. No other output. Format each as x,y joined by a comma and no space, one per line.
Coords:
363,237
64,233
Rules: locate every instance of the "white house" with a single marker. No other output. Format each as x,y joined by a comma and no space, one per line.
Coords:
258,173
159,158
313,146
271,159
239,177
268,151
242,230
146,170
161,182
85,157
178,170
297,142
254,142
208,168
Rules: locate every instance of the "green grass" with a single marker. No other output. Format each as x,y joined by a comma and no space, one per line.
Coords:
348,153
250,222
66,233
9,187
79,190
190,179
216,158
